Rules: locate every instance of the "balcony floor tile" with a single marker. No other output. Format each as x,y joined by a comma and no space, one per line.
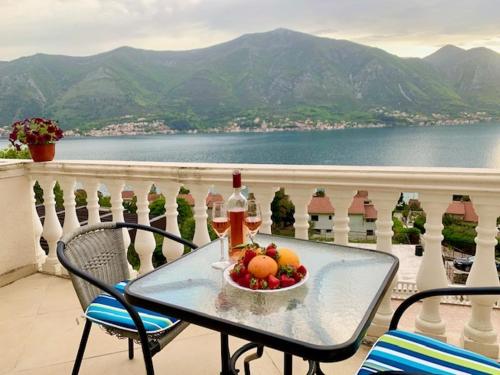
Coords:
41,326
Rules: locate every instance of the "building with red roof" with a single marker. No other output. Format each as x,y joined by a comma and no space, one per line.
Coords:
362,216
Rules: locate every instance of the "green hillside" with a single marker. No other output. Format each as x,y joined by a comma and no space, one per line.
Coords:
282,73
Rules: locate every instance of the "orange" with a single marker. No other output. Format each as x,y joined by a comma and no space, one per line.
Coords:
288,257
261,266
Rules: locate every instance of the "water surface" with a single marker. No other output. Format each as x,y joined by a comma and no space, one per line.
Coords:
445,146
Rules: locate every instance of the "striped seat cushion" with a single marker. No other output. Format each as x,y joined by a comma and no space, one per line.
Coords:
406,351
106,310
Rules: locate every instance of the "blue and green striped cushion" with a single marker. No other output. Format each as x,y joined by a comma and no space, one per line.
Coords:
406,351
106,310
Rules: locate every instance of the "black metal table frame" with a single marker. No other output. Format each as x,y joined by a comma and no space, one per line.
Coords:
290,347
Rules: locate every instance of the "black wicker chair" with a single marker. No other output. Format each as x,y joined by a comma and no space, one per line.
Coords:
95,257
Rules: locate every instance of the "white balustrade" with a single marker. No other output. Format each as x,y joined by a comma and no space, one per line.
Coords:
40,255
383,183
384,202
432,273
52,230
479,334
171,249
92,188
264,196
199,193
144,240
70,218
341,199
301,196
115,188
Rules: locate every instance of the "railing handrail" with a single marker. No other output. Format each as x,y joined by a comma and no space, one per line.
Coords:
467,180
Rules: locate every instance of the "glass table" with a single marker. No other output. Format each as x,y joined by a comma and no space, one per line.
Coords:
323,320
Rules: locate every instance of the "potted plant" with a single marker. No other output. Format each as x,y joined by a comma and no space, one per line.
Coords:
39,134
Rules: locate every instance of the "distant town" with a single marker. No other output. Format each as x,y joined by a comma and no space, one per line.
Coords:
130,126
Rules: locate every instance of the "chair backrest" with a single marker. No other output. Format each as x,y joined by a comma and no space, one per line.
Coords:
99,250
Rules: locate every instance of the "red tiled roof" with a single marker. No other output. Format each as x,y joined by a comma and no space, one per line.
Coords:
414,203
323,205
470,213
127,194
357,205
362,193
211,198
370,211
320,205
456,208
188,198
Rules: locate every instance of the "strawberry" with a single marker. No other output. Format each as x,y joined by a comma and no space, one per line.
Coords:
234,275
273,282
286,281
263,284
297,276
244,281
249,255
271,246
272,252
302,270
254,283
240,269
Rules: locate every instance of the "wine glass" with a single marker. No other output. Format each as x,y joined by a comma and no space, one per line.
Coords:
253,218
221,225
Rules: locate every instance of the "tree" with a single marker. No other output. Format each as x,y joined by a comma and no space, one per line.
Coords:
282,210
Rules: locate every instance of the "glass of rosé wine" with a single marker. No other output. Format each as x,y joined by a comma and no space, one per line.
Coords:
221,225
253,218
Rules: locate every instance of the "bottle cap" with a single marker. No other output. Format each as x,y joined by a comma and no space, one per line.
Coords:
236,179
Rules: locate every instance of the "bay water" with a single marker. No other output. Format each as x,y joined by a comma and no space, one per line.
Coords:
475,146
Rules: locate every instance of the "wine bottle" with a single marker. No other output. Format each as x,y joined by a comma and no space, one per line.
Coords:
236,206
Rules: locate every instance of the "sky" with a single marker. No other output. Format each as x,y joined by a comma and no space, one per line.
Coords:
85,27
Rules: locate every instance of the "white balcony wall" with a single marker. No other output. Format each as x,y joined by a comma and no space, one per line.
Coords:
383,184
17,244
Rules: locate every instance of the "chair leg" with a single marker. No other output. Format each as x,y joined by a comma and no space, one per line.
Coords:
148,359
130,349
81,349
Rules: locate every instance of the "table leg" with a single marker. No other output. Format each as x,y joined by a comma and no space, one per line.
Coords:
287,364
224,354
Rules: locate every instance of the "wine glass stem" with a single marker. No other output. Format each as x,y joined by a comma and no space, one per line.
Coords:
222,255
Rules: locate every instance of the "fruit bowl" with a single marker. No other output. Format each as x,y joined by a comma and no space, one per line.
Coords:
236,285
266,270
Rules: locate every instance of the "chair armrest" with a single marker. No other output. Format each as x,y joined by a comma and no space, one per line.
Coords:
453,291
168,235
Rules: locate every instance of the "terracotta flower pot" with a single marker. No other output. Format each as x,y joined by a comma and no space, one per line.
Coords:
43,152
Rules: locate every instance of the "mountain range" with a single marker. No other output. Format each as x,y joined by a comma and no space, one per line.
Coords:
276,73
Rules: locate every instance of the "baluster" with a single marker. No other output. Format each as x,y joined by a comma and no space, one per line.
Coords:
52,229
479,334
265,196
432,273
115,188
384,202
70,218
171,249
92,188
144,241
201,236
301,196
341,199
40,255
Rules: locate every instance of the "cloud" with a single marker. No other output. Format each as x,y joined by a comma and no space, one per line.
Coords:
82,27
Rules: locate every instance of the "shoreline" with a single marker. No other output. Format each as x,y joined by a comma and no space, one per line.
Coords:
272,130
